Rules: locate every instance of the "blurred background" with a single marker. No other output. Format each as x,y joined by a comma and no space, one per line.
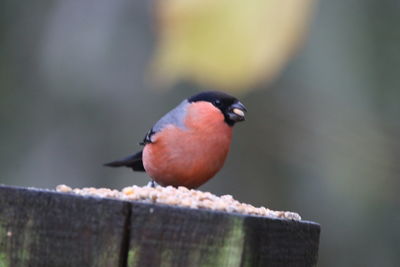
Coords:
81,82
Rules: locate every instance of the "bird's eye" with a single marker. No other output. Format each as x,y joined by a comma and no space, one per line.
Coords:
217,103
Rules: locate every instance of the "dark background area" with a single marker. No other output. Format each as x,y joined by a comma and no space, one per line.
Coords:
322,139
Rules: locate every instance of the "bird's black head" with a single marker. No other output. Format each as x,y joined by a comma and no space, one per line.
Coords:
232,109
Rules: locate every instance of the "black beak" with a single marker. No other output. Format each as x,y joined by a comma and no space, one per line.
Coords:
236,112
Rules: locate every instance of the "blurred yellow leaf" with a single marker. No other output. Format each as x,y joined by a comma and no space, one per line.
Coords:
227,44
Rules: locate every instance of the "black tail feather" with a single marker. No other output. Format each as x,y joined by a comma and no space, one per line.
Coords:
135,162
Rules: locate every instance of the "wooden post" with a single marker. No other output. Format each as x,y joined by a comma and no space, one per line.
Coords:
45,228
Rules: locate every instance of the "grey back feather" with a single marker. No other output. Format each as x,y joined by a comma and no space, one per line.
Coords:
175,117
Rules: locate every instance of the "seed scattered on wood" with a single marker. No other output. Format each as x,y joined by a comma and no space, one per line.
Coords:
180,196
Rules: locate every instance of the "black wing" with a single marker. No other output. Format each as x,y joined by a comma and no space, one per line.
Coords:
147,138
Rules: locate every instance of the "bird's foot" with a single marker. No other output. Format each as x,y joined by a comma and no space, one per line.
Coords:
153,184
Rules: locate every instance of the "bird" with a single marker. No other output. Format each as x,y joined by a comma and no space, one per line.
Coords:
190,143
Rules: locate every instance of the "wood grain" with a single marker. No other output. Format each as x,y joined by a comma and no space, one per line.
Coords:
170,236
45,228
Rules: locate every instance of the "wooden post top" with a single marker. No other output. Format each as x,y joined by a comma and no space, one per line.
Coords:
47,228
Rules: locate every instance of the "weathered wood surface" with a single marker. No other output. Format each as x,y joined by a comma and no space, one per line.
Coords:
45,228
186,237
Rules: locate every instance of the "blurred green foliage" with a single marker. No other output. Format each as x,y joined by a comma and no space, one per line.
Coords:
322,140
227,44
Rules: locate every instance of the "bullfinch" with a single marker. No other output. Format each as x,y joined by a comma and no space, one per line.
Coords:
189,144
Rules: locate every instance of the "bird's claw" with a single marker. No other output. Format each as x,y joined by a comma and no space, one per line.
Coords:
153,184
